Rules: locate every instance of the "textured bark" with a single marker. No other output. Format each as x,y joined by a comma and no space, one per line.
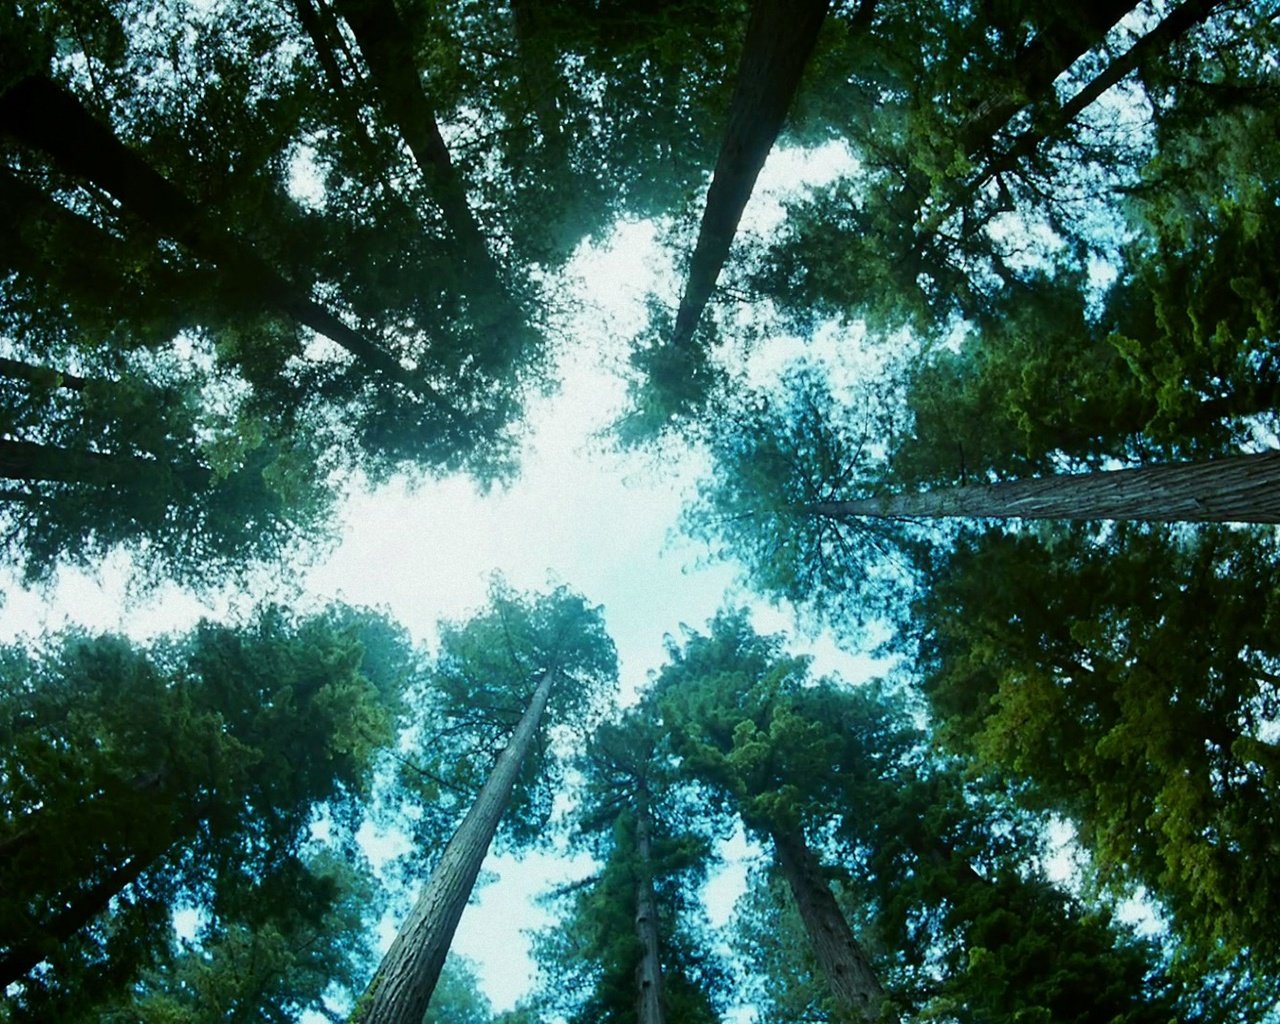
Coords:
41,114
649,970
401,990
849,974
1237,489
780,39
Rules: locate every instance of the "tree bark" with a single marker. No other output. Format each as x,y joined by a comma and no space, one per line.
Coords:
401,990
780,38
26,460
649,969
1236,489
41,114
1057,46
386,44
850,977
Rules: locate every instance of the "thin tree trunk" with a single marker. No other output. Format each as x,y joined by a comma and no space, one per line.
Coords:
1237,489
1175,24
850,977
40,113
401,990
386,44
780,38
649,969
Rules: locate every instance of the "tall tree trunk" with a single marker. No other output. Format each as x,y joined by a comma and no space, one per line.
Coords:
1069,34
41,376
649,969
1051,121
780,38
387,46
26,460
21,956
407,976
41,114
853,983
1237,489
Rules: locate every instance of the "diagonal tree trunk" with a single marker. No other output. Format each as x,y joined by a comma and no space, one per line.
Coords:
649,969
780,38
850,976
1071,33
401,990
1237,489
41,114
387,46
1052,120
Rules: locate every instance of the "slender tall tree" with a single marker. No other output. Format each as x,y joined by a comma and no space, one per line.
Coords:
725,698
508,665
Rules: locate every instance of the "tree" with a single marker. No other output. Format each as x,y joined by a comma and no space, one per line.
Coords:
281,947
724,696
511,663
793,494
779,41
1133,696
630,945
135,776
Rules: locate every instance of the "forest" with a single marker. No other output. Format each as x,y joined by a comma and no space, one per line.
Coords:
960,358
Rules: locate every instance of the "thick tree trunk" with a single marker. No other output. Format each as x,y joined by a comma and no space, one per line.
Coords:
1069,35
41,376
24,954
401,990
1048,124
780,38
25,460
1237,489
849,974
649,970
43,115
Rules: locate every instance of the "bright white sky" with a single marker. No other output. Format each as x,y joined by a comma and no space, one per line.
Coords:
580,514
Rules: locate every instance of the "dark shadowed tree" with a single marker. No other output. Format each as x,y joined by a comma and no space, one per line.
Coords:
136,779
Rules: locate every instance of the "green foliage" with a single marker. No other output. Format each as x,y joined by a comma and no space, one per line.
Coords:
457,998
479,685
137,780
777,456
1126,680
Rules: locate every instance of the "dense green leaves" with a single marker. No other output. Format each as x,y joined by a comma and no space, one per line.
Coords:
138,780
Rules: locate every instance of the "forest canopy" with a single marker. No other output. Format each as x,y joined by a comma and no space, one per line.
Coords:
981,392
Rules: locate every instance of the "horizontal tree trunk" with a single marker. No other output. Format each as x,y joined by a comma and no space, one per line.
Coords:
1236,489
26,460
401,990
850,976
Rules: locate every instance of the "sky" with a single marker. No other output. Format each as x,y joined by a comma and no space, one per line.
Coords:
580,513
